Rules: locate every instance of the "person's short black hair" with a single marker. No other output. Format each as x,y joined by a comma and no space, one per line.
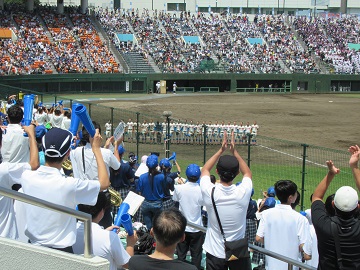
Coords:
67,114
346,215
103,202
284,189
169,226
329,206
213,179
54,159
15,114
85,134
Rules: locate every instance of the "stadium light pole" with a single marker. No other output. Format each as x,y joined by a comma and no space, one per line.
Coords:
167,114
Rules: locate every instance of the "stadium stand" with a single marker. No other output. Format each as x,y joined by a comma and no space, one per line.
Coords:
46,42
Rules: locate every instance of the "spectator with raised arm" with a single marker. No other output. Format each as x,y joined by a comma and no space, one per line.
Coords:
344,223
231,201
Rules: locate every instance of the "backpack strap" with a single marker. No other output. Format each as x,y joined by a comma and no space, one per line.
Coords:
335,233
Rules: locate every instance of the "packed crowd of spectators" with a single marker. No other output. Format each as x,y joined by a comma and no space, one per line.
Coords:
223,39
98,54
282,44
328,38
28,54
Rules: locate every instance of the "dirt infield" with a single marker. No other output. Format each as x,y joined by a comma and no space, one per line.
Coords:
326,120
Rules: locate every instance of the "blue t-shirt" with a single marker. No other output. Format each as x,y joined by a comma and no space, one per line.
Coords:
121,178
151,186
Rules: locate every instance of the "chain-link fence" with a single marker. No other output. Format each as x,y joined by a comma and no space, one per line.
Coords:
270,159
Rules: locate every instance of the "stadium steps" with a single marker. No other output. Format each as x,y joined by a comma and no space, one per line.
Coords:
137,63
162,29
107,40
80,50
49,36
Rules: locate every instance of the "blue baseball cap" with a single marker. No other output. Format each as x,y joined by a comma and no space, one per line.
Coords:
271,192
165,163
270,202
121,149
152,161
193,171
40,131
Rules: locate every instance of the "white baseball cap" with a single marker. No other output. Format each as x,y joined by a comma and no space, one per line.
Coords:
346,199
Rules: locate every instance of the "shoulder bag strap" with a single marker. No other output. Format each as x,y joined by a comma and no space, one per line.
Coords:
83,158
335,233
216,213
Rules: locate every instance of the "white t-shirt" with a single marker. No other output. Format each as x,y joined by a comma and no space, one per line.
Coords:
41,118
311,248
283,230
91,171
56,120
190,202
232,203
105,244
15,147
66,122
7,215
46,227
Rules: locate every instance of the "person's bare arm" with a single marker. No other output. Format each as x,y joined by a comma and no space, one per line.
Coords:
116,150
102,172
109,141
130,243
212,161
353,162
177,166
324,184
34,152
244,168
259,239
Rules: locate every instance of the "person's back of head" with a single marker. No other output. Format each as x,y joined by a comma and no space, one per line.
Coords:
15,114
85,134
169,227
346,202
329,206
67,114
56,145
286,191
57,112
103,202
227,168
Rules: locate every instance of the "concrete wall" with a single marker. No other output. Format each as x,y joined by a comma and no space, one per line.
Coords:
17,255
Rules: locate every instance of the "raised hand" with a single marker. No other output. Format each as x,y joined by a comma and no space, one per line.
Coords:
332,169
355,153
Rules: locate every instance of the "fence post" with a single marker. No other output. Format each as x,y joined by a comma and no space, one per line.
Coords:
303,172
205,140
71,101
90,110
112,121
137,133
249,149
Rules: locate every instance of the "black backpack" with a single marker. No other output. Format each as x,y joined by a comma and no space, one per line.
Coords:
145,243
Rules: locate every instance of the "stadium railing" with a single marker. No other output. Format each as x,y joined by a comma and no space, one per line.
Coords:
262,90
289,261
88,251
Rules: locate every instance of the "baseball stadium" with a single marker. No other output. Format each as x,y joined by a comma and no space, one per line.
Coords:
178,75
